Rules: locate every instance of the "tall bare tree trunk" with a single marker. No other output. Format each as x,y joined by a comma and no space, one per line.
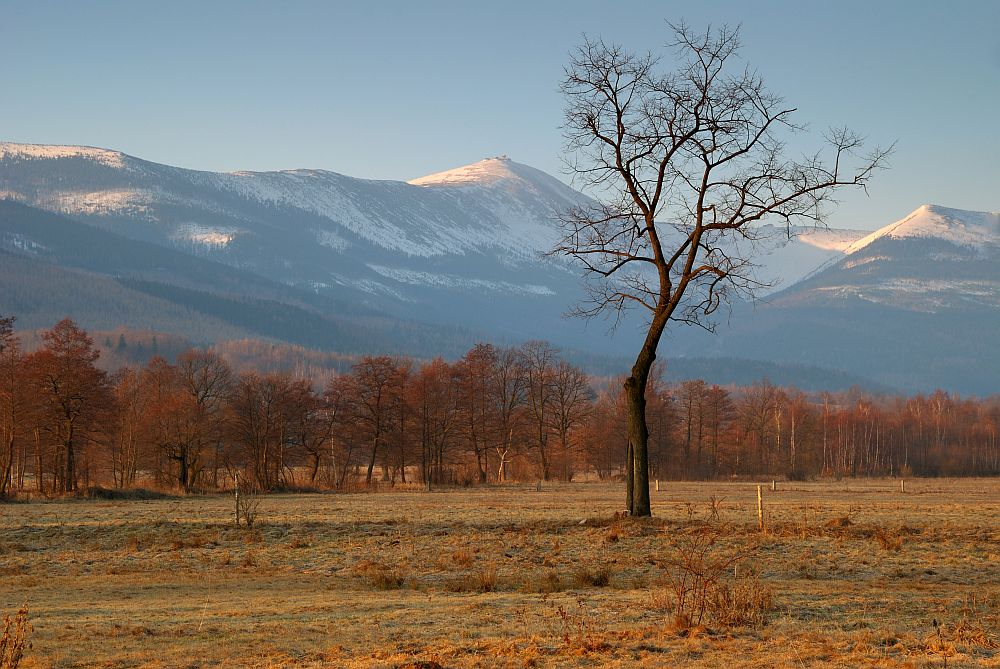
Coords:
637,496
69,483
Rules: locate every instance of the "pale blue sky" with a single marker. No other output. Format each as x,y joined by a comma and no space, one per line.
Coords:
396,90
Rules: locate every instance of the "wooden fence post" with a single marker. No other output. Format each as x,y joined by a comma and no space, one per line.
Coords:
760,508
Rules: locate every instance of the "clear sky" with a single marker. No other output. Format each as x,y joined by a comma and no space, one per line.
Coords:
395,90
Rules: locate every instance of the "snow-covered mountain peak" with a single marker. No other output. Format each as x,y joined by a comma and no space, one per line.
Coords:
14,151
487,171
502,177
974,229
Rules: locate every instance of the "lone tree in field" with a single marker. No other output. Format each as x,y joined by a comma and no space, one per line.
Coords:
686,163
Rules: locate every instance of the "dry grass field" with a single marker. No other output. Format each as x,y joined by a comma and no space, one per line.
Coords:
846,574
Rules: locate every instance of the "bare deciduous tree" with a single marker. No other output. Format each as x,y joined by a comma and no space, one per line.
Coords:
11,400
686,163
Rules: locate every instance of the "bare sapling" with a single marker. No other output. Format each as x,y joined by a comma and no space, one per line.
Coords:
14,639
246,496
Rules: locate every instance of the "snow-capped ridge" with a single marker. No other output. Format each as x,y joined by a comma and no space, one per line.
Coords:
486,171
55,151
975,229
508,208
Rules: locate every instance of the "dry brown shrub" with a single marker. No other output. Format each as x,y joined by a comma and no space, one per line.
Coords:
382,577
744,602
247,504
462,557
887,541
14,639
715,508
598,578
978,626
299,542
484,579
253,536
547,581
698,588
577,635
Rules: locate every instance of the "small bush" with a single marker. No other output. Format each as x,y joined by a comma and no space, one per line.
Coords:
14,639
485,579
547,581
247,504
597,578
462,557
887,541
745,602
382,577
698,590
299,542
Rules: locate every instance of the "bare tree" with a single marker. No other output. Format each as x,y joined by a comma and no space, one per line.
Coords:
572,397
508,388
11,399
208,379
538,360
374,380
685,164
73,395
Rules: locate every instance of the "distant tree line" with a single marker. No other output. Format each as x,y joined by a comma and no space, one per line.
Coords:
496,414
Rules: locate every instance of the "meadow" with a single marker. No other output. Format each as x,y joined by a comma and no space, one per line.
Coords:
845,573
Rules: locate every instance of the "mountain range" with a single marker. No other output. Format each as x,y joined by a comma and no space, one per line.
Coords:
431,265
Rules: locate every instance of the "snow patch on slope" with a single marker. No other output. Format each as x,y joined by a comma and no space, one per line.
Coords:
99,202
18,242
205,235
794,254
331,239
526,202
418,278
336,198
829,239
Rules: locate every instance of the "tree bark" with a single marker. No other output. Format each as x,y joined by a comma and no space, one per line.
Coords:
69,484
638,439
